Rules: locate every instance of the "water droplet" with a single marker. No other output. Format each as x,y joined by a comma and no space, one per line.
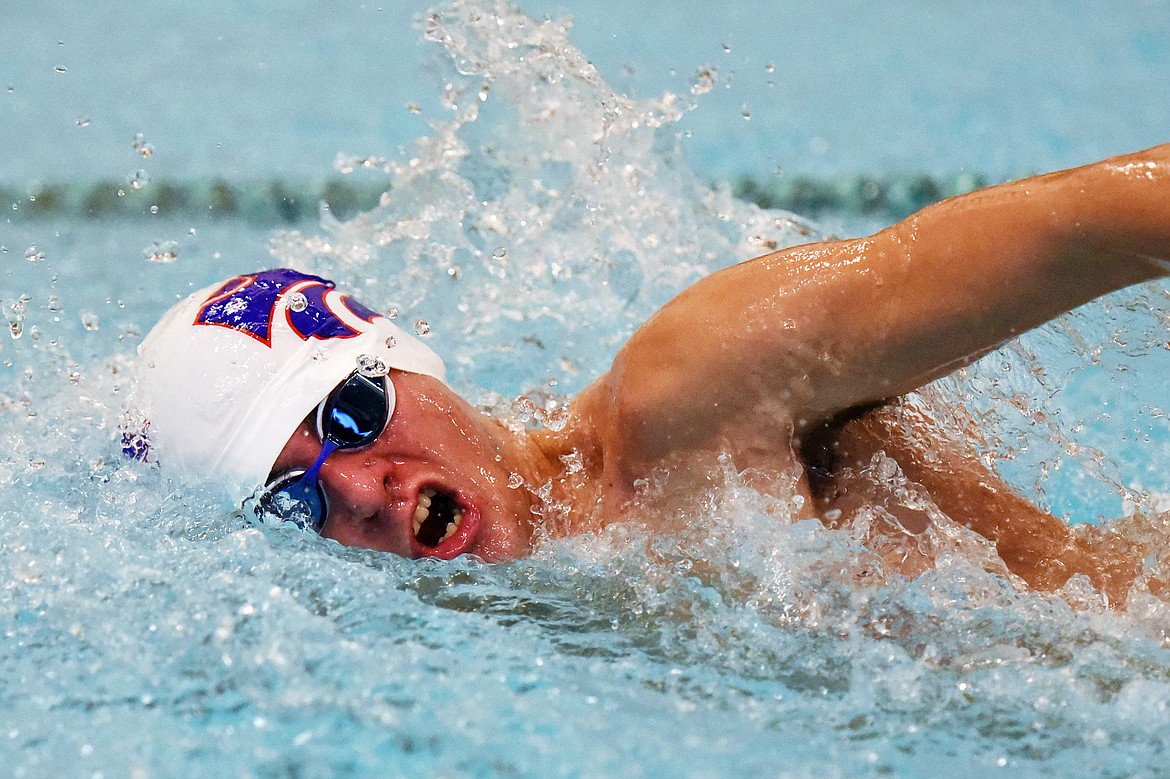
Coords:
745,112
371,366
61,69
705,79
297,302
83,121
154,209
392,313
515,481
414,108
164,252
500,253
726,49
141,146
421,327
16,328
33,254
573,462
191,232
770,68
391,342
91,322
137,179
455,273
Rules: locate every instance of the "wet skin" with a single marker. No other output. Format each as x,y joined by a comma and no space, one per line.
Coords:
434,440
775,362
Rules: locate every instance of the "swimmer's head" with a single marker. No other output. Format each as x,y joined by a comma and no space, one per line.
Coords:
227,375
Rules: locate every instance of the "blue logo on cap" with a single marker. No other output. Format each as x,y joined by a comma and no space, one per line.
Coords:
248,304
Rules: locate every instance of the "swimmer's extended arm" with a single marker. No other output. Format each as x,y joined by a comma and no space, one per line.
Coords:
807,332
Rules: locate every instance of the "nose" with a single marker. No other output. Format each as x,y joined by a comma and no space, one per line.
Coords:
359,494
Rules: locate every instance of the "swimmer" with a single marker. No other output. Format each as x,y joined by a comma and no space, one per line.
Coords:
323,412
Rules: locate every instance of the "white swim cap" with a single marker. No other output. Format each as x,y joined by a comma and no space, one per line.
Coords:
226,375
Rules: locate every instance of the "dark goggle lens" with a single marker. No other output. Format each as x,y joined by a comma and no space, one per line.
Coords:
293,498
355,413
353,416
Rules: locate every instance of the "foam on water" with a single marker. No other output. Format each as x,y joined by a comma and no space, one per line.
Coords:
148,629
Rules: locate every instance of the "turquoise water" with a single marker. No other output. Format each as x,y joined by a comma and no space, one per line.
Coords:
149,631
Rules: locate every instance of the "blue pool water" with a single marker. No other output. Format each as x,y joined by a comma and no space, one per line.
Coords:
149,631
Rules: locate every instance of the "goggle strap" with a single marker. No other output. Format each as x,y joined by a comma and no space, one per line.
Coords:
328,447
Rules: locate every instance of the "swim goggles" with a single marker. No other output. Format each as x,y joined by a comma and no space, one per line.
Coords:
352,417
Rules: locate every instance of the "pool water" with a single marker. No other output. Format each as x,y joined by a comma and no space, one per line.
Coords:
150,630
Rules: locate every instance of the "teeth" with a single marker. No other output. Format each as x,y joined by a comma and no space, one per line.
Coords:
423,511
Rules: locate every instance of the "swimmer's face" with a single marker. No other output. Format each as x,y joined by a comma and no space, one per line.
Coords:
439,450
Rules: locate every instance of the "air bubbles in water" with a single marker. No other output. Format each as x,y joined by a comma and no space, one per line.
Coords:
163,252
33,254
137,179
421,327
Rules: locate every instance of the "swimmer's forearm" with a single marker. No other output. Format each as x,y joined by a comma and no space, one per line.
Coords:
956,280
983,268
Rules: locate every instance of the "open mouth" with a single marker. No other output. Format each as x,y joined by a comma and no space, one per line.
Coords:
436,518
